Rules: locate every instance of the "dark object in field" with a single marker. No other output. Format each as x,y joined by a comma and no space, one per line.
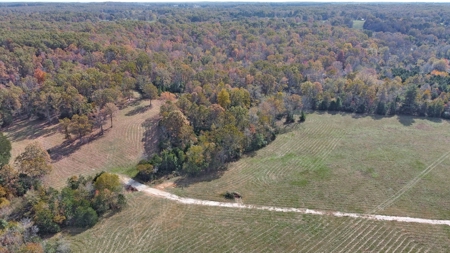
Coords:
130,188
232,195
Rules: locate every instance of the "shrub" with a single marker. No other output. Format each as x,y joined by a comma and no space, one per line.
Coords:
85,217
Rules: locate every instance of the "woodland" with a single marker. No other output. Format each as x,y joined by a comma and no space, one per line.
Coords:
230,75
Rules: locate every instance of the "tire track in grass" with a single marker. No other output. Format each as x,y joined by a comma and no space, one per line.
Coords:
353,240
241,244
319,225
400,248
197,245
145,230
279,170
366,240
113,241
410,184
260,237
321,148
185,241
392,242
348,227
333,235
381,242
361,224
411,249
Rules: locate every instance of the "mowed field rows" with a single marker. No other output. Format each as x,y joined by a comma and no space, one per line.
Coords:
151,224
121,146
394,166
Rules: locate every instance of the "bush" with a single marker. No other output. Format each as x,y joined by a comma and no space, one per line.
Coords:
228,195
146,172
108,181
85,217
45,223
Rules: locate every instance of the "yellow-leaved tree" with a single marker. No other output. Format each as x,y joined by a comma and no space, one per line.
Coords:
34,161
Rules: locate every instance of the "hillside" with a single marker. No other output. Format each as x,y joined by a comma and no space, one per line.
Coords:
118,150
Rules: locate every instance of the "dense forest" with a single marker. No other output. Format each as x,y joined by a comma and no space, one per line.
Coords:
229,73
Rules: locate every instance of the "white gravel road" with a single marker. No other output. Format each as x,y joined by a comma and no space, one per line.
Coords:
191,201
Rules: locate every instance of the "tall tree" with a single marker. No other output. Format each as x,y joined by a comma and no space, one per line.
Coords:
102,97
34,161
81,125
111,109
410,102
150,91
64,126
223,98
5,150
99,119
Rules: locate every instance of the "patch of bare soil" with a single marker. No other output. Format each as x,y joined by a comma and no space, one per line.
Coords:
165,185
423,126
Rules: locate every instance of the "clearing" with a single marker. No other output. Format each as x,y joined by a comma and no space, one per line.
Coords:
118,150
392,166
386,166
358,24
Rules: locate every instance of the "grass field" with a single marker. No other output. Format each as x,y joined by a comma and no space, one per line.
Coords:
117,150
156,225
358,24
395,166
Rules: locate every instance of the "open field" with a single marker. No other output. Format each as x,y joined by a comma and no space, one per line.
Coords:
151,224
393,166
120,148
358,24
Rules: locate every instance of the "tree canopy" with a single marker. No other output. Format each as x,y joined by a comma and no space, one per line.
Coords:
34,161
5,150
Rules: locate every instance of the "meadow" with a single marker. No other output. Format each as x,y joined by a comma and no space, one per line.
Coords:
342,162
358,24
391,165
151,224
394,166
118,150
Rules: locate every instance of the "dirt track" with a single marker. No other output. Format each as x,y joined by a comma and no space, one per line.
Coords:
190,201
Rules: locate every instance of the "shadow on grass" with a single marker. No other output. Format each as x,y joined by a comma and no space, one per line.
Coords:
138,110
186,181
406,120
435,120
151,135
73,231
68,147
25,129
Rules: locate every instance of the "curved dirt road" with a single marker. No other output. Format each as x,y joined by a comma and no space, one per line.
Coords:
190,201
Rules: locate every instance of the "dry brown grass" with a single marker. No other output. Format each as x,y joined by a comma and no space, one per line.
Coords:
120,147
